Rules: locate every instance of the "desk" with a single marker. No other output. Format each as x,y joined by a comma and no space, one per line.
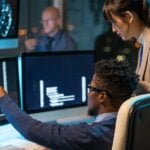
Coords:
9,135
69,115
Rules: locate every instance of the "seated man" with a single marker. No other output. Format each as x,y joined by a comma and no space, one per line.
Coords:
113,82
52,38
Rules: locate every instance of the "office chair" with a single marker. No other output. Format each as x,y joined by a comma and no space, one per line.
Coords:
132,130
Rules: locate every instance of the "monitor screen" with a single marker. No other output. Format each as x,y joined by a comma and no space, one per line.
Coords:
9,11
55,80
9,79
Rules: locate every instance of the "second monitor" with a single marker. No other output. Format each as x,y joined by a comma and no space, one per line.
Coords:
9,80
55,80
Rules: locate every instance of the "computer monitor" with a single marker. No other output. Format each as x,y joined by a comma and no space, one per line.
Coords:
55,80
9,10
9,80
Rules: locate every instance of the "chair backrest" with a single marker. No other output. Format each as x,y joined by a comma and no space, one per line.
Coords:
132,130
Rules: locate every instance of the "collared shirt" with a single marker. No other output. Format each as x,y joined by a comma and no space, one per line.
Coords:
61,42
105,116
143,66
144,36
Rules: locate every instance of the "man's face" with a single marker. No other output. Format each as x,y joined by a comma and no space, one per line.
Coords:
93,98
50,22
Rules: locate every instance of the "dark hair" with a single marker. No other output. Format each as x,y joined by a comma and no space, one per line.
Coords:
117,78
118,7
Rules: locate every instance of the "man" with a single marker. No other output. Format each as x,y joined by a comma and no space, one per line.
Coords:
113,82
52,37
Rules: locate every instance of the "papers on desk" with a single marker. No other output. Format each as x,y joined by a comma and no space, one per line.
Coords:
10,139
11,147
20,144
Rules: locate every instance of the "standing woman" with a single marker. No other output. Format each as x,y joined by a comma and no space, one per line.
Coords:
131,19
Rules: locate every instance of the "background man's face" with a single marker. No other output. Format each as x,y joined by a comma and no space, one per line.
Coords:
50,22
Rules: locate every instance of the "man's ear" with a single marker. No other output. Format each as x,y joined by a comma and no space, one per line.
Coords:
129,16
102,97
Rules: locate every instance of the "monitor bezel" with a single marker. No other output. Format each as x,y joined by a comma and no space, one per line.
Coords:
3,120
42,54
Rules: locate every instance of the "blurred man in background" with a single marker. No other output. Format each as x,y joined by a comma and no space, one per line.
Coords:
52,38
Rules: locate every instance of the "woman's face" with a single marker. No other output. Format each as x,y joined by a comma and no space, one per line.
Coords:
122,28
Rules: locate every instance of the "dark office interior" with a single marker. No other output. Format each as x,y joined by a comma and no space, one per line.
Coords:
54,86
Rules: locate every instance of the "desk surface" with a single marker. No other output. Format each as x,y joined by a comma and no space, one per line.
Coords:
9,136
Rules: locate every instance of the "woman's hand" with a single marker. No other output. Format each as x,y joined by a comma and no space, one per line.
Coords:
146,85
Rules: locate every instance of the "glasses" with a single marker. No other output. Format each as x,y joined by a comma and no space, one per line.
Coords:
48,20
97,90
91,88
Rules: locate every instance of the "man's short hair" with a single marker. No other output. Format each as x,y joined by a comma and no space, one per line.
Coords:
54,10
117,78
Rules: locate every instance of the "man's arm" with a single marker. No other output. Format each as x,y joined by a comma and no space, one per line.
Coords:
70,43
49,135
81,137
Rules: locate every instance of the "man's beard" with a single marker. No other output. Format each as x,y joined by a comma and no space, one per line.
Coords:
92,112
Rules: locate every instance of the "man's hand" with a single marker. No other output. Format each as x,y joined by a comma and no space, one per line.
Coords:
2,91
30,44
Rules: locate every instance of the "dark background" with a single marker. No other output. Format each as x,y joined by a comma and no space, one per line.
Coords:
83,20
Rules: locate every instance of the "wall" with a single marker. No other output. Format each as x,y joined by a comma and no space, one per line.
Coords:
83,20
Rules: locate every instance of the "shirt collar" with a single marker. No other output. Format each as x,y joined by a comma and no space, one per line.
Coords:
144,36
106,116
58,34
